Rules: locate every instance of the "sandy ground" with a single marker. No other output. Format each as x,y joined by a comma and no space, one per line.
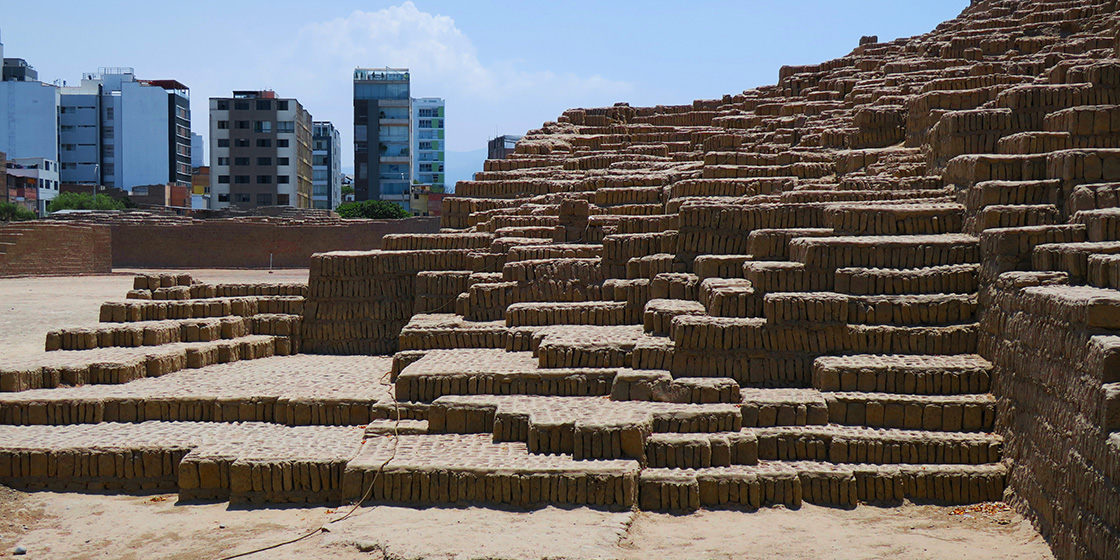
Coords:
88,526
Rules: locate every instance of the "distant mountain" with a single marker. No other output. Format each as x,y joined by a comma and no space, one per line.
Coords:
461,166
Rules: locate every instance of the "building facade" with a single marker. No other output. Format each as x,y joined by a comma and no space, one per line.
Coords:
326,166
501,147
198,151
382,135
428,144
41,175
118,131
28,112
260,151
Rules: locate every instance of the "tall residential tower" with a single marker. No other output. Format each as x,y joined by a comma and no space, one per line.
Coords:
427,142
382,135
326,166
260,151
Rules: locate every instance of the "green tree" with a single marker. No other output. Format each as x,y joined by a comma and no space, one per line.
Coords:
84,201
10,212
347,189
372,209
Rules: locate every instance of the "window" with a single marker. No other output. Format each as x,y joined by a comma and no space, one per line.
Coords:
264,161
223,197
425,145
282,200
241,161
241,197
262,126
243,124
68,147
223,161
429,112
264,179
223,142
223,179
264,105
281,161
282,105
241,179
241,105
264,199
425,123
264,142
282,179
286,126
241,143
426,167
223,105
223,125
281,142
140,191
318,160
109,113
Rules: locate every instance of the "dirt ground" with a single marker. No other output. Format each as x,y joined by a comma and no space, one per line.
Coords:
88,526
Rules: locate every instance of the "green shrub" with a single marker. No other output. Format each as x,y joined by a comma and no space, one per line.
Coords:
372,209
10,212
84,201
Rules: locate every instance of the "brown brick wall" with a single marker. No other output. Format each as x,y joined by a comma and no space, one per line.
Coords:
244,243
52,249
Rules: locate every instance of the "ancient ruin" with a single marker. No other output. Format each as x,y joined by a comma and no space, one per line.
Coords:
893,275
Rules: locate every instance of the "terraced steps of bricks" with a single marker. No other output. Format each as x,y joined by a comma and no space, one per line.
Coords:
783,276
1015,215
447,330
829,307
691,451
604,313
121,365
143,310
495,372
587,427
658,313
472,468
290,390
903,374
947,279
948,413
857,444
793,483
900,251
148,333
572,346
783,407
204,460
730,297
1071,258
895,219
773,244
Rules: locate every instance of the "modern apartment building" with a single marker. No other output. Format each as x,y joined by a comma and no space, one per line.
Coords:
428,142
382,135
326,166
119,131
260,151
41,175
28,112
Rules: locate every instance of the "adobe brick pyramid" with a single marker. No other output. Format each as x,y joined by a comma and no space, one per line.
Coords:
893,275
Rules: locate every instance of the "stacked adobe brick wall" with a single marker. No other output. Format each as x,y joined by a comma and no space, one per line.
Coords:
1057,380
48,249
144,240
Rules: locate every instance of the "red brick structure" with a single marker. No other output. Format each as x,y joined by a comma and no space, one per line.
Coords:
54,249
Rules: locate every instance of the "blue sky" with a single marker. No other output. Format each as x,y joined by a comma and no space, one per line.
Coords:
503,67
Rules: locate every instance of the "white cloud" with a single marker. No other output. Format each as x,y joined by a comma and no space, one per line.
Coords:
443,63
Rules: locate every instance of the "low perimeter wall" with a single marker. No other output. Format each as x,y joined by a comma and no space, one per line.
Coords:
248,243
52,249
